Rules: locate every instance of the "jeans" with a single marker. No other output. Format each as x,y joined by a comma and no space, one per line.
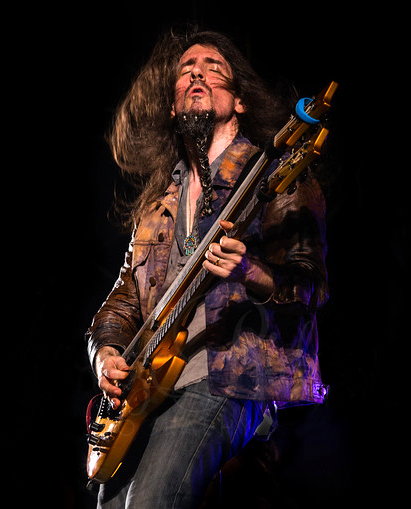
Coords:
179,449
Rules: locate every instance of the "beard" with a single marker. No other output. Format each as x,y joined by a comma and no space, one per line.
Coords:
197,126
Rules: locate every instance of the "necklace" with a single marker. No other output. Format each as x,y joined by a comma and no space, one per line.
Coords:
190,242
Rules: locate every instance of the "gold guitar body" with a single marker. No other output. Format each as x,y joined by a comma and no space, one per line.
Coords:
113,435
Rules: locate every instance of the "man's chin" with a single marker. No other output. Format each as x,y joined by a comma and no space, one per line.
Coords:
197,107
198,103
196,123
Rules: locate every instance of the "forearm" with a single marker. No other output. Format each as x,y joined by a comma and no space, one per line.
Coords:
259,279
118,319
295,246
295,285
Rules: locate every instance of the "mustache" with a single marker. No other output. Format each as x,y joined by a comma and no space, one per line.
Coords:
197,83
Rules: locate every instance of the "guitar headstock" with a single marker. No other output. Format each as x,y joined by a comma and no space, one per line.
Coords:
296,126
285,174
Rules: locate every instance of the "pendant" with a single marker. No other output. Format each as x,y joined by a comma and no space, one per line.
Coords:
190,243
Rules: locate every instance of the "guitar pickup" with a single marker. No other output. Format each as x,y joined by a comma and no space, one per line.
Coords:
95,426
92,440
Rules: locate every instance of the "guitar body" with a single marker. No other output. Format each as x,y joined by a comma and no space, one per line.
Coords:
114,431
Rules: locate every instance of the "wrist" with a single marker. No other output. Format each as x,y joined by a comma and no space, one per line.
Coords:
103,353
259,278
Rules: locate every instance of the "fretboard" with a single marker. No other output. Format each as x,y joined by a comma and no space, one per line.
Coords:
175,315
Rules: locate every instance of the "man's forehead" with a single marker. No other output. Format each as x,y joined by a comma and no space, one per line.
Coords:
198,51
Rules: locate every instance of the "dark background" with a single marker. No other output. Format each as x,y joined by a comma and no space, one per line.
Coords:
71,66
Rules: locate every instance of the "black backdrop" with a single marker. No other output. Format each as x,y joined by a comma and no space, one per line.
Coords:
73,66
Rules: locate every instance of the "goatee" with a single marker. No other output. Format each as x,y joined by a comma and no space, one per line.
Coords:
196,125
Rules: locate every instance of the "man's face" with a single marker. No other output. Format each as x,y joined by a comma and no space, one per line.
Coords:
203,84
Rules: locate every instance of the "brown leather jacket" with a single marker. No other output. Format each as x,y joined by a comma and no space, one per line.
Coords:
264,351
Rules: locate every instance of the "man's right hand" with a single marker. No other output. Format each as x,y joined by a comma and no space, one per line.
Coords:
110,367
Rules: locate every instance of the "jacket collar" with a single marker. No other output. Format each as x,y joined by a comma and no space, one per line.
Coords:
170,200
236,156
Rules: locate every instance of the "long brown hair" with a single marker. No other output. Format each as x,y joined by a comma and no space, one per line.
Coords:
143,137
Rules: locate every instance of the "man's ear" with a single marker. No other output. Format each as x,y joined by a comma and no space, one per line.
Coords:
239,106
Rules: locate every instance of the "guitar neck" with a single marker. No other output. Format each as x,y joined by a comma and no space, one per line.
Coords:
178,314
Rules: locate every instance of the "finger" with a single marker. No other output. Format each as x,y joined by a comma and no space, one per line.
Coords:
216,270
113,393
115,403
109,376
217,250
225,260
215,254
229,249
232,246
121,364
226,225
109,388
213,258
116,374
113,367
228,246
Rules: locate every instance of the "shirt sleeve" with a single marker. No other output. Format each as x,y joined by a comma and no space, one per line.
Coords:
294,233
119,318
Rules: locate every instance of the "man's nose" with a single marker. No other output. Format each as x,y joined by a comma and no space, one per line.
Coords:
197,74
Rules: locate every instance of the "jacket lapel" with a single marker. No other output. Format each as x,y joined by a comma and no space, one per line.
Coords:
235,158
170,200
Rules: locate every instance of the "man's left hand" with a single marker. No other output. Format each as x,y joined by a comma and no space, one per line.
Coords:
228,260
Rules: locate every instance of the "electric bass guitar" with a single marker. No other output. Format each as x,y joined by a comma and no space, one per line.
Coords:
155,353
